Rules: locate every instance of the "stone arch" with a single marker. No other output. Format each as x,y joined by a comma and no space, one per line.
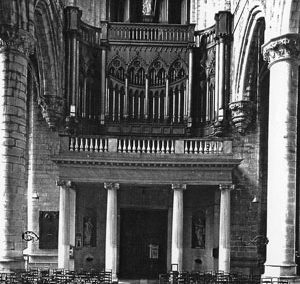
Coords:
15,13
158,58
178,64
117,65
282,17
255,17
136,58
49,58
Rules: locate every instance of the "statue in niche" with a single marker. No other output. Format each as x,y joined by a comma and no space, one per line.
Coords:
147,7
198,230
89,231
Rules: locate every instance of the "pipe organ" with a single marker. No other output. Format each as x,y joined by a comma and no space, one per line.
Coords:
159,78
157,94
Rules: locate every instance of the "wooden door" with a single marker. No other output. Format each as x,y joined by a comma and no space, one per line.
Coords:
143,243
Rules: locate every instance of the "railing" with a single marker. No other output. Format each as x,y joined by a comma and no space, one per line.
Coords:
150,145
88,144
208,35
89,34
151,32
153,146
203,147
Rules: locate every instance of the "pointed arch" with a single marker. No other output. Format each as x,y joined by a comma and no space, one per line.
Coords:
255,19
50,62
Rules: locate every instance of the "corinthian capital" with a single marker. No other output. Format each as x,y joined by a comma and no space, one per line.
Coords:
17,40
283,47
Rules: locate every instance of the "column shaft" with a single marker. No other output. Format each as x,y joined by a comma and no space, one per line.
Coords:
224,229
111,229
177,226
64,227
13,128
282,145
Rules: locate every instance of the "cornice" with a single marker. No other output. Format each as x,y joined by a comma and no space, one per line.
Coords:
208,164
282,48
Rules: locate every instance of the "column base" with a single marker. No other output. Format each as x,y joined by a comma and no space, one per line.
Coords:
284,270
12,264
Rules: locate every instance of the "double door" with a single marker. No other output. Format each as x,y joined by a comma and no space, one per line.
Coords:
143,243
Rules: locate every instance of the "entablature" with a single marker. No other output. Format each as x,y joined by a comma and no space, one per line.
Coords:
145,168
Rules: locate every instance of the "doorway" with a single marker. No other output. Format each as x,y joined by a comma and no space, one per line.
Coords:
143,243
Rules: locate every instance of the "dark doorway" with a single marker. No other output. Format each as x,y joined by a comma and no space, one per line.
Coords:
143,243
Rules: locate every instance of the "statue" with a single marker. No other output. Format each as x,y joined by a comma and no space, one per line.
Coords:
88,229
147,7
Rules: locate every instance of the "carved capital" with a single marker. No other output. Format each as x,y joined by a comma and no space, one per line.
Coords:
242,113
17,40
282,48
218,128
52,109
179,186
111,185
65,184
226,186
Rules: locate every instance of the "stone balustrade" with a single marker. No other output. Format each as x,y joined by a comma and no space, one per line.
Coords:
198,146
151,32
90,35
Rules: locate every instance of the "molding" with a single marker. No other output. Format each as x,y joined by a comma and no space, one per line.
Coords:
282,48
146,164
242,114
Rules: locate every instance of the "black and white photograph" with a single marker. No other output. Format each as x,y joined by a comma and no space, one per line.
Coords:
149,141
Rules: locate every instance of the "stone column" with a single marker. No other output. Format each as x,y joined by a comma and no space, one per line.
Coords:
282,54
64,231
33,180
72,195
15,47
177,225
224,229
111,252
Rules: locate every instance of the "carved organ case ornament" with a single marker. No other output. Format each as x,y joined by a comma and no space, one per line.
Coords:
152,91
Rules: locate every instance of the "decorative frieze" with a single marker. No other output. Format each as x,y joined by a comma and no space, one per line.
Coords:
242,113
283,47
